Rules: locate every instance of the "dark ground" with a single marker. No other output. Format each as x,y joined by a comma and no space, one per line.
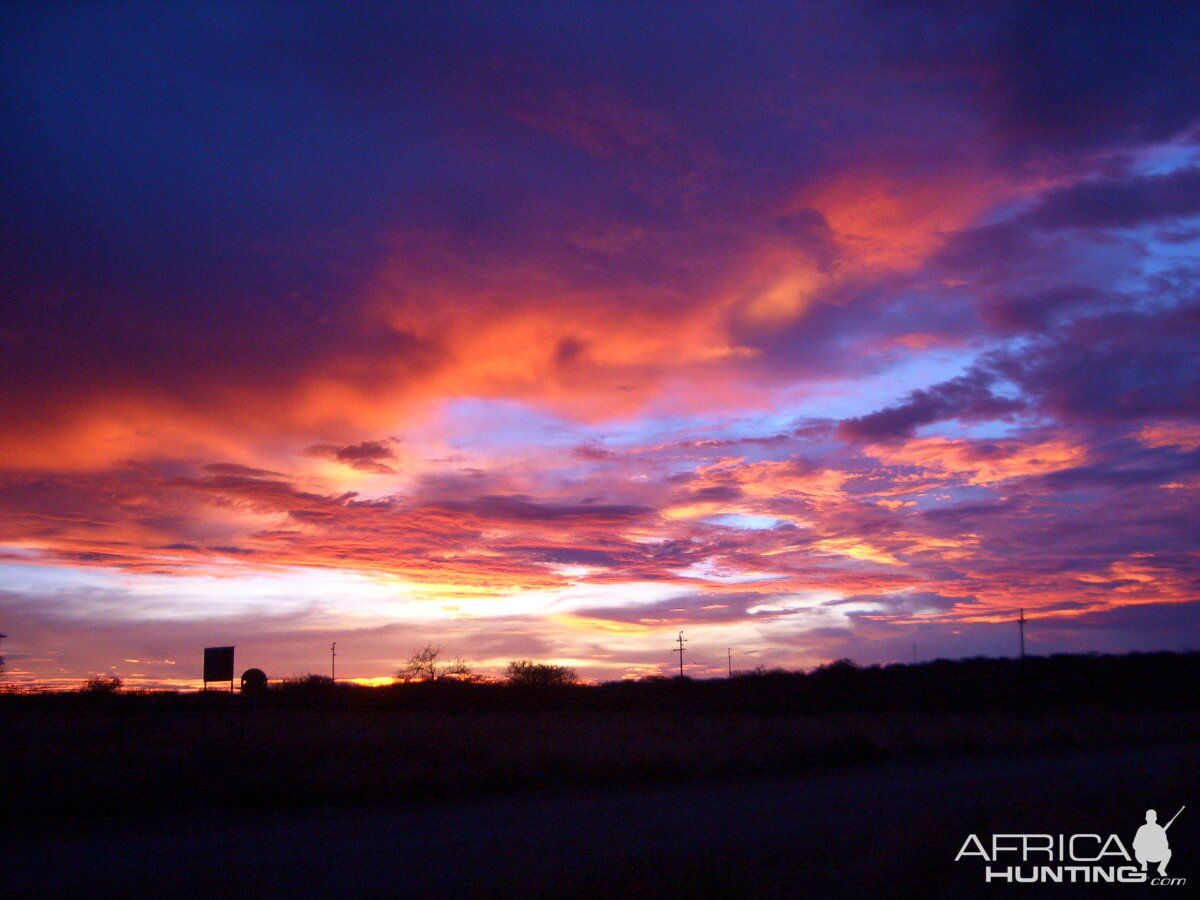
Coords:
840,782
887,829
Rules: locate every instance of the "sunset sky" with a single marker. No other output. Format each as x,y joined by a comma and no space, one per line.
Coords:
812,330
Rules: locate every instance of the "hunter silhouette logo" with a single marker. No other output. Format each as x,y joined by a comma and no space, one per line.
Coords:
1076,858
1150,843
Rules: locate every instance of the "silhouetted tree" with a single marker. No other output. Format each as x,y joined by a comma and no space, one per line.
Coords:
531,674
423,665
101,684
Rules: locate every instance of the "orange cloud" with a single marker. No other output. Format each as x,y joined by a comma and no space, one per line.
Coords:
983,462
774,478
891,219
857,549
1184,435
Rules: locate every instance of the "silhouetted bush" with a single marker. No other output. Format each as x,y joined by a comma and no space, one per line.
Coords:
101,684
424,665
527,673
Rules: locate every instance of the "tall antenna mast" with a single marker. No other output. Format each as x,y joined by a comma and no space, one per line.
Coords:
729,660
681,640
333,661
1021,625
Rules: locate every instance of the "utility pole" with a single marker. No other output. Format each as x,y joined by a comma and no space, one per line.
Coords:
333,661
681,641
729,660
1021,625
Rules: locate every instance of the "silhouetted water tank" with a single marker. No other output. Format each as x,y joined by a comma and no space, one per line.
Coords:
254,681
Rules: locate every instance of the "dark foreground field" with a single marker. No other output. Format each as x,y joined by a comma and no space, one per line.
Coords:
888,829
846,782
97,764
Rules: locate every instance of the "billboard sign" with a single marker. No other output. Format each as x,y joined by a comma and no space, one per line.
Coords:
218,664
